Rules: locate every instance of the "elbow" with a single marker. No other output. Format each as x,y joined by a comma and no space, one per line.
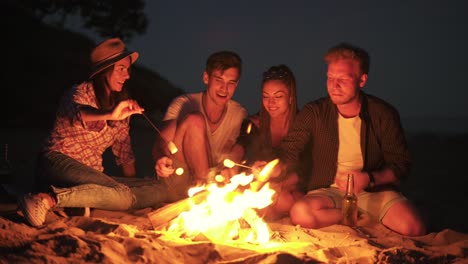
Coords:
401,172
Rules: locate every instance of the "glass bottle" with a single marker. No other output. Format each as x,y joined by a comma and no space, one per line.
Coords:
349,204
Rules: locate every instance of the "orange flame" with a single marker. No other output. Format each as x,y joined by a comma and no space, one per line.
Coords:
228,212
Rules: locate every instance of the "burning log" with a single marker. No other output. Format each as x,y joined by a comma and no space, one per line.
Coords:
218,211
262,229
162,216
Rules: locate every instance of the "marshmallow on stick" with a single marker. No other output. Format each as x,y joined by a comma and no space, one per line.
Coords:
230,164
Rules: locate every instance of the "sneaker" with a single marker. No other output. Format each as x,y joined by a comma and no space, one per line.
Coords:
34,208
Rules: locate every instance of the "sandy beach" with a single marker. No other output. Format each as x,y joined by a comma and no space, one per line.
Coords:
128,237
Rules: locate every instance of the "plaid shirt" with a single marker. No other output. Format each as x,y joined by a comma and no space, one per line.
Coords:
87,141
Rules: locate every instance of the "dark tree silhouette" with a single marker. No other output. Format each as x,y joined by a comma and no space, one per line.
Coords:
108,18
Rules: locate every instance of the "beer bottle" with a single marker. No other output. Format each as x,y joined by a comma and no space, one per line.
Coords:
349,205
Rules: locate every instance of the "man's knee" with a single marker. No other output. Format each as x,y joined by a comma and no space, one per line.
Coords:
409,226
300,214
414,228
284,202
403,218
195,121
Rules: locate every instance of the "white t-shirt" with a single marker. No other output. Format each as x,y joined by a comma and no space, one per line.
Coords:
349,152
225,136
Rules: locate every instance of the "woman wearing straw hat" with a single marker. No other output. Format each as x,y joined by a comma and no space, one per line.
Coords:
92,117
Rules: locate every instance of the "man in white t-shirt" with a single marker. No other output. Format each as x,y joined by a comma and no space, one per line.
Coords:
204,126
351,132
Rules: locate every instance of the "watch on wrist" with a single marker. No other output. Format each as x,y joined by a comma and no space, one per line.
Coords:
371,184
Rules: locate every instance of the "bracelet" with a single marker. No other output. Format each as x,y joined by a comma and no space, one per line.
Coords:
371,181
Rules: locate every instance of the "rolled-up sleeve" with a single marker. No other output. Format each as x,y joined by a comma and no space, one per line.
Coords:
394,146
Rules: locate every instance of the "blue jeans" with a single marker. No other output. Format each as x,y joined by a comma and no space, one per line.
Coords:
78,185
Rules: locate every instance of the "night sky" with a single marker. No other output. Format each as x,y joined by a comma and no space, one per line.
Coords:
418,48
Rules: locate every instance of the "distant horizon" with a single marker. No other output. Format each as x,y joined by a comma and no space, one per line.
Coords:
435,124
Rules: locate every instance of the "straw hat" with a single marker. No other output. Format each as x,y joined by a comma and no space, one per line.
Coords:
107,53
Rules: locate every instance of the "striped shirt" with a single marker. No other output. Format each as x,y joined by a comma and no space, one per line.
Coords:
383,144
87,141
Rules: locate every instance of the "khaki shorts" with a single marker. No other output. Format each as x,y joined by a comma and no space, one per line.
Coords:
374,204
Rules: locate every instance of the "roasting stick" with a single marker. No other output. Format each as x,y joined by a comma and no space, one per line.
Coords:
262,177
264,173
230,164
170,145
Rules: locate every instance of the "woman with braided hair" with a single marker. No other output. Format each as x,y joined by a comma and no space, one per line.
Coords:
263,132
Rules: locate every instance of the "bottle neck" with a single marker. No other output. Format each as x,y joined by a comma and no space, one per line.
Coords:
350,185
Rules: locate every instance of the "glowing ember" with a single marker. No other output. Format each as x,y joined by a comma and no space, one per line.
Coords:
228,212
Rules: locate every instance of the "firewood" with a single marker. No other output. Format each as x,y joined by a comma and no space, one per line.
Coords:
162,216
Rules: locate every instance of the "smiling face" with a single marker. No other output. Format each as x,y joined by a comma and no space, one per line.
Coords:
221,85
119,75
344,80
276,98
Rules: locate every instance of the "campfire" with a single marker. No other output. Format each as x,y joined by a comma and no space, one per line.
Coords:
221,211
